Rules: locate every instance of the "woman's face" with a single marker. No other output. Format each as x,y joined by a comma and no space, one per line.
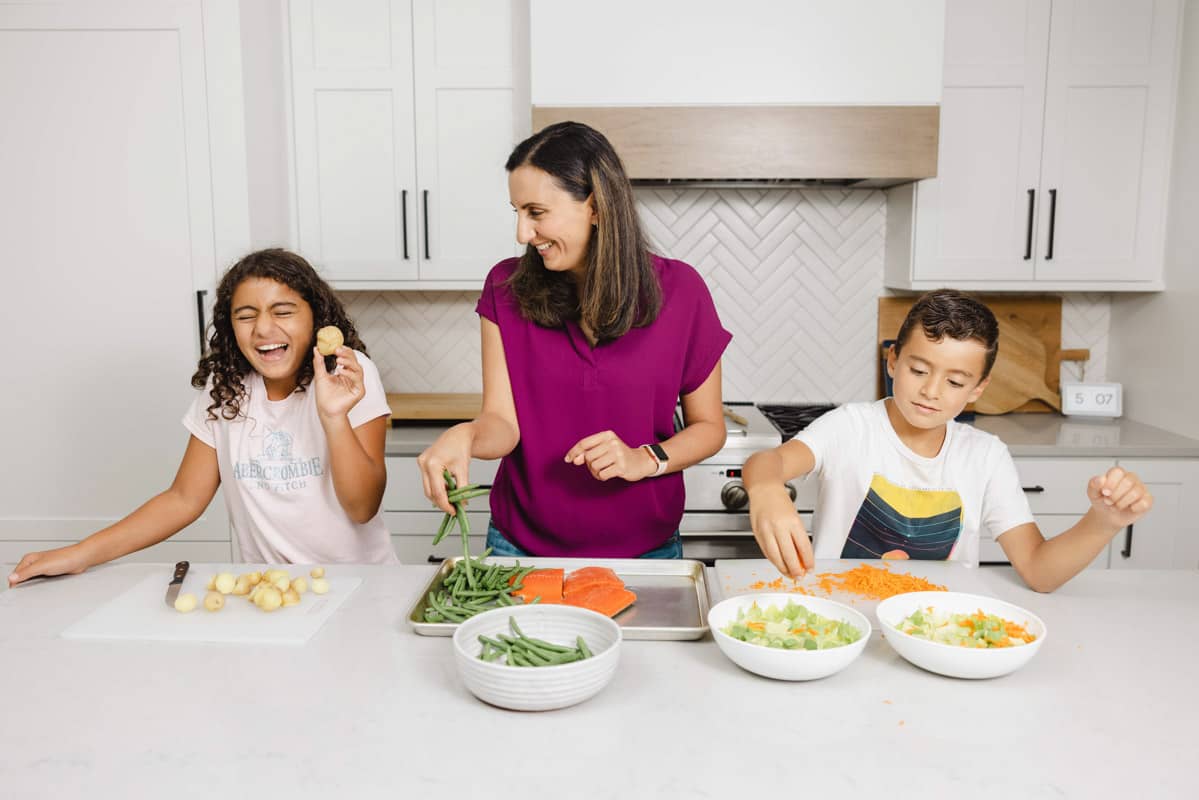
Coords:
273,326
548,218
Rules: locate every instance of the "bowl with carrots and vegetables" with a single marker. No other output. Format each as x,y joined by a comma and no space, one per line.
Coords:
537,657
789,638
960,635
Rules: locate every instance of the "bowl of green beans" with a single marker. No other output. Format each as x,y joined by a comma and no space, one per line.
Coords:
536,657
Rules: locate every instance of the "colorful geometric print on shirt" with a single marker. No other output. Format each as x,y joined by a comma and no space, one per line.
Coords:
898,522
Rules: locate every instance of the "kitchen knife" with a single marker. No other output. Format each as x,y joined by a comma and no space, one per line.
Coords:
176,582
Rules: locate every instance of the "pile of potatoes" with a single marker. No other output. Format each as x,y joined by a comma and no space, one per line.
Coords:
268,590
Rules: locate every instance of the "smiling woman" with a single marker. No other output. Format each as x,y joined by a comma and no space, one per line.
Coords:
589,342
302,470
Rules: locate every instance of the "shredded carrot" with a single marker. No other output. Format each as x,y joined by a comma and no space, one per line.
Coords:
864,580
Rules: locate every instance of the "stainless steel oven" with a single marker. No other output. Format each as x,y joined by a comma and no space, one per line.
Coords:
716,514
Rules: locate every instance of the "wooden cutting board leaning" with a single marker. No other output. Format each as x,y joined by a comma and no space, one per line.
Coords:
1027,372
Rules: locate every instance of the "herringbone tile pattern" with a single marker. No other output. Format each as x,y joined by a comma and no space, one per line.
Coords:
795,274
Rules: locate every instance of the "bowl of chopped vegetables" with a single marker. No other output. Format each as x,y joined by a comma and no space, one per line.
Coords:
775,636
536,657
960,635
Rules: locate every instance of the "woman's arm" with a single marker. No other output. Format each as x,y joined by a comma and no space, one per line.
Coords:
493,434
158,519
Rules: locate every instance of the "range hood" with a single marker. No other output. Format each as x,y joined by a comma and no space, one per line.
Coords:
765,146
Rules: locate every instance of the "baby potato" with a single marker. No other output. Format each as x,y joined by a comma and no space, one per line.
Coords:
282,583
211,583
317,572
255,577
320,585
328,339
214,601
291,597
225,582
299,585
269,599
242,586
185,602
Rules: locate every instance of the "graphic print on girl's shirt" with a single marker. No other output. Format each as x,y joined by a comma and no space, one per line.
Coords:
900,522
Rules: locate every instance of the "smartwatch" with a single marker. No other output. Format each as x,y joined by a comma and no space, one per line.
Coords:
658,454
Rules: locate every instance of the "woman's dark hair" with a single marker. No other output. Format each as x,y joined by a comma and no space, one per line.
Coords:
948,312
620,289
224,360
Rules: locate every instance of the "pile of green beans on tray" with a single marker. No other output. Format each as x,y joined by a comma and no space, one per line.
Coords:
471,588
519,650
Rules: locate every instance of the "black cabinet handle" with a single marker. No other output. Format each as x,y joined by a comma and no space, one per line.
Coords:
1033,489
200,295
1127,551
1052,221
1032,193
436,559
425,202
404,219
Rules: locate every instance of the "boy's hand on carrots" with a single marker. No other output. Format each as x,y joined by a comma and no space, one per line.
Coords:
451,451
340,390
1119,497
779,531
607,457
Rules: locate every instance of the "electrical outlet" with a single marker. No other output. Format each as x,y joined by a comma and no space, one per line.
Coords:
1092,399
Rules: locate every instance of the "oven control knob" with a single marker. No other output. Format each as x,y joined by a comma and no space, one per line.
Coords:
791,491
734,496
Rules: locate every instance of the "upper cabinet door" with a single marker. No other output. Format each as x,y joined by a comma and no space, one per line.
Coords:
354,137
466,101
974,220
1108,121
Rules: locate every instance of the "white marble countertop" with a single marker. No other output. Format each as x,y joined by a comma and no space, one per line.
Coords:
1024,434
369,709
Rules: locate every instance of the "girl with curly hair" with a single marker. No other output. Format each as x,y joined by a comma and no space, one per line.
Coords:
296,442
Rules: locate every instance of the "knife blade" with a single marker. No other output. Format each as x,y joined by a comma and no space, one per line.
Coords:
176,582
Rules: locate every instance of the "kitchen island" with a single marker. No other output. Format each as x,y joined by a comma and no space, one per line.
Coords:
368,709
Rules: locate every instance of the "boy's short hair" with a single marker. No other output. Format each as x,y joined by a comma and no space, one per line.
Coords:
948,312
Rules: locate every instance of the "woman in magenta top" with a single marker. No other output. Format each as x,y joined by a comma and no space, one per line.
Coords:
589,341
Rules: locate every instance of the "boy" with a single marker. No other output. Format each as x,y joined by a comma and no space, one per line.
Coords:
901,479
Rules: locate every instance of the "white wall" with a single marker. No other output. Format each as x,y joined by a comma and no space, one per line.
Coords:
1155,338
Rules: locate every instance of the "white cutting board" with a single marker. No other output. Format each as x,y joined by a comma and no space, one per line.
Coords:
141,613
738,576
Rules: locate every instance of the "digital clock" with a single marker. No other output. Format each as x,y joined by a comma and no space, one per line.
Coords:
1092,399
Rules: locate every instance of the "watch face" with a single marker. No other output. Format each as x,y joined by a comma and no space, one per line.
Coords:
659,453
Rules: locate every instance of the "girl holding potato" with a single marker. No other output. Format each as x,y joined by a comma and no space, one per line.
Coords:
589,341
299,449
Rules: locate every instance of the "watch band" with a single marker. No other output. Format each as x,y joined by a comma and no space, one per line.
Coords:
659,455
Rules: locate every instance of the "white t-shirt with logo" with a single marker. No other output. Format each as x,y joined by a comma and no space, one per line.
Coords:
878,498
274,466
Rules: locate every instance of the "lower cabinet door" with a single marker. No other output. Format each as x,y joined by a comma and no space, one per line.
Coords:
991,553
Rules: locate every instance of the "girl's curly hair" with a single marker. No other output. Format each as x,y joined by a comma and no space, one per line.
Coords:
224,360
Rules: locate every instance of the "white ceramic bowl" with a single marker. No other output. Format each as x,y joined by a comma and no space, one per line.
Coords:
951,660
538,688
787,665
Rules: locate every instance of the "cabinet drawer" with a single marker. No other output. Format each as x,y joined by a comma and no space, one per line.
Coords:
416,550
405,491
1058,485
990,552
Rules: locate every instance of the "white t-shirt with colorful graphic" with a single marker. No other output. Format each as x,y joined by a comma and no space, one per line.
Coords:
879,499
274,466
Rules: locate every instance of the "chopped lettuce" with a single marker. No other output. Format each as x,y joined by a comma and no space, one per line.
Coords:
977,630
791,627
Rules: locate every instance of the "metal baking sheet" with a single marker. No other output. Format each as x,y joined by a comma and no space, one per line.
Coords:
672,595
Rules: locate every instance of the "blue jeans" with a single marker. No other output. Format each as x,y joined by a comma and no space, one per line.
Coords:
500,546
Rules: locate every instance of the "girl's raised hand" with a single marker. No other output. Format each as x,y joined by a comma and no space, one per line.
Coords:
340,390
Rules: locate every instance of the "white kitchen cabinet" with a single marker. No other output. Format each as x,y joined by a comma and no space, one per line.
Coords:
1166,537
412,520
404,112
708,52
1056,489
123,162
1056,123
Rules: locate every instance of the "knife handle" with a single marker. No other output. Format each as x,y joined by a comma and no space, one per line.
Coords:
180,571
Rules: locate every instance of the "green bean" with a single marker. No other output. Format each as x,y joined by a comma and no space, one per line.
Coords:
449,479
463,495
463,521
442,529
583,648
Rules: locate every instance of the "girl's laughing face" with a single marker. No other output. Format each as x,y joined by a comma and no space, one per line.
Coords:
274,329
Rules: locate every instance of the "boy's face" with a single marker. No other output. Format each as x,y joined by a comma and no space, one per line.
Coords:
933,381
